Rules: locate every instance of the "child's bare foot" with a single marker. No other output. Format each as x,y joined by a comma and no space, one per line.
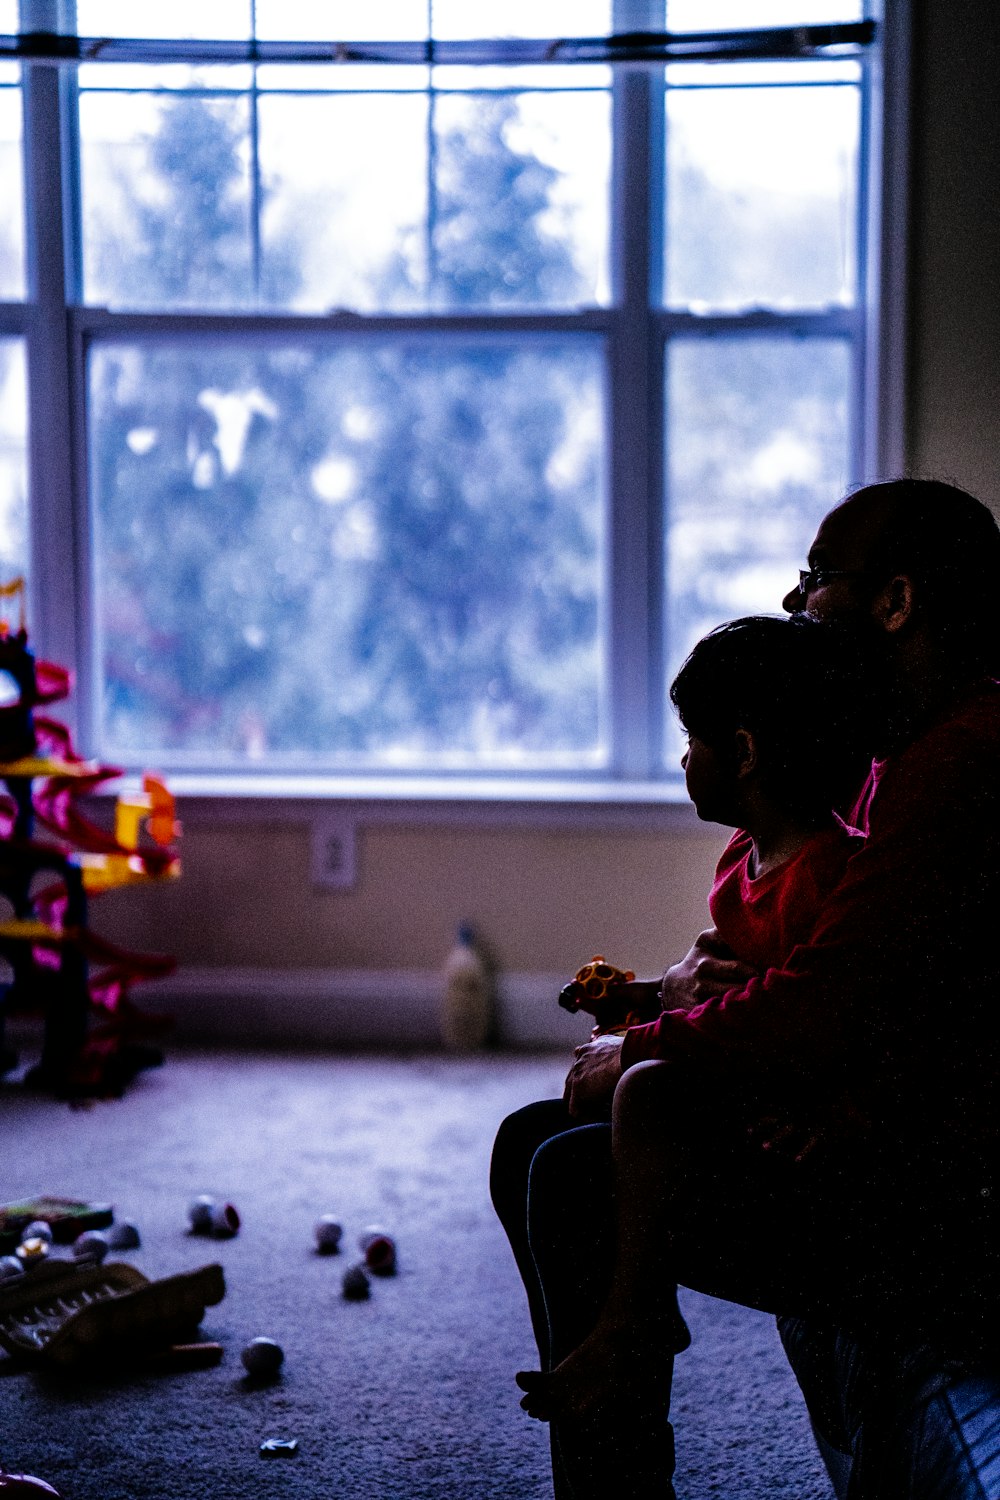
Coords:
618,1366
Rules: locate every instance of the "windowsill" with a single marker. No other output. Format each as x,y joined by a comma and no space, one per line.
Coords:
646,806
423,788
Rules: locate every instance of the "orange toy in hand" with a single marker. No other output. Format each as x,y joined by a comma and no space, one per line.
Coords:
599,989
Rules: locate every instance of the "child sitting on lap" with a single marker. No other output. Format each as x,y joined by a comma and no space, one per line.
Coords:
767,703
773,716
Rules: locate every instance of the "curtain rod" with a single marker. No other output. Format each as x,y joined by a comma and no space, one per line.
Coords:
784,43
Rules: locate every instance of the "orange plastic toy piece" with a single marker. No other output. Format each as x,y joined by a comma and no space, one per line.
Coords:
598,989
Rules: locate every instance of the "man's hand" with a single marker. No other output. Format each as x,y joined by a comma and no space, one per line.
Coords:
707,971
591,1081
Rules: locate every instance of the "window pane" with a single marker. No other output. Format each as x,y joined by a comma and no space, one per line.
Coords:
761,196
119,77
509,210
166,200
344,228
460,20
224,19
378,553
520,217
477,77
737,15
837,69
757,443
12,282
341,20
13,461
472,18
342,78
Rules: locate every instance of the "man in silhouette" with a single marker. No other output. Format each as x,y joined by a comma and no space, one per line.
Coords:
820,1139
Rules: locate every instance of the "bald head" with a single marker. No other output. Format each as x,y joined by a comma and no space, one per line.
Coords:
940,538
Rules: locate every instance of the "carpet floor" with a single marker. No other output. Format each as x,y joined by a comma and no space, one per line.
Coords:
408,1395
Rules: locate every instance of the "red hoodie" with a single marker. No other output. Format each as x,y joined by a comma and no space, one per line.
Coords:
761,919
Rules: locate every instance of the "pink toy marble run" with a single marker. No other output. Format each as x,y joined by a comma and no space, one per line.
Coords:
95,1039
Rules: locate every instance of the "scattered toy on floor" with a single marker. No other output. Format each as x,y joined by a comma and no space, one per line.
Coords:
65,1217
38,1229
379,1250
76,1314
124,1236
91,1245
200,1212
30,1252
225,1221
279,1448
355,1284
208,1215
329,1232
14,1486
93,1041
262,1358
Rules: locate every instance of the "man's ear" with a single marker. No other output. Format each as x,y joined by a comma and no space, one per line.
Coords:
746,752
895,604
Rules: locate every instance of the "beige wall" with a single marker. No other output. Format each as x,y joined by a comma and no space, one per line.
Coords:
955,262
542,901
545,901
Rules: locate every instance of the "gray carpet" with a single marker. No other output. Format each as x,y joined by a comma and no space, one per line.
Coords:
408,1395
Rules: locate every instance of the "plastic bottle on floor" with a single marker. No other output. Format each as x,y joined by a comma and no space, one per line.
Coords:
466,1009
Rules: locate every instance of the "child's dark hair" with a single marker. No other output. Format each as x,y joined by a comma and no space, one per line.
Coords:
790,681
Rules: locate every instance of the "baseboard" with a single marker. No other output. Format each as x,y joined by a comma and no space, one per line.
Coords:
392,1008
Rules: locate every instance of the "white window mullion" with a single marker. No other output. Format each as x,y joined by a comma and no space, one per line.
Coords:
54,602
636,416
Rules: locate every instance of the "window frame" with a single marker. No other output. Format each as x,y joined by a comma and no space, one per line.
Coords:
59,329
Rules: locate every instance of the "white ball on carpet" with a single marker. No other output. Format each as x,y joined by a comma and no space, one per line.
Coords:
225,1221
355,1284
200,1213
38,1229
91,1245
262,1358
124,1236
329,1232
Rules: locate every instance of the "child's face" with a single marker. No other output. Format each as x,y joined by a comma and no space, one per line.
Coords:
710,782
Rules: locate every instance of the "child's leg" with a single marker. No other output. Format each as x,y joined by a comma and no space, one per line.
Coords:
625,1361
517,1141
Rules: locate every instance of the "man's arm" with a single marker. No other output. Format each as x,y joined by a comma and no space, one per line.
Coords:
708,969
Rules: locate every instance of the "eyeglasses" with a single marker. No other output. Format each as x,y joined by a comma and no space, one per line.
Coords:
817,578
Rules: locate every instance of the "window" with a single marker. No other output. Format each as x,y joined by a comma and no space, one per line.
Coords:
417,415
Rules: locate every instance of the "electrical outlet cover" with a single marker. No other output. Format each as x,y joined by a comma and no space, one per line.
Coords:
334,862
